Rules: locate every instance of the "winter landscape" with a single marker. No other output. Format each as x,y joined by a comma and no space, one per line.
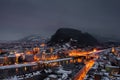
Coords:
59,40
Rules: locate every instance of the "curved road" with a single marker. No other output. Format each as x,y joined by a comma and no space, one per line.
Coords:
82,73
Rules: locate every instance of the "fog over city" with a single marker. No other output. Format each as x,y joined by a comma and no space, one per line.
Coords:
20,18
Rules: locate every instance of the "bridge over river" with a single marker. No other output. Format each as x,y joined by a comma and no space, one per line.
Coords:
30,67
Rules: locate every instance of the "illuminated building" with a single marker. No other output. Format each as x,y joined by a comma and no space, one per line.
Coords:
36,50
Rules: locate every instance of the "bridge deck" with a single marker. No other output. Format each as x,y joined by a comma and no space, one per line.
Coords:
32,63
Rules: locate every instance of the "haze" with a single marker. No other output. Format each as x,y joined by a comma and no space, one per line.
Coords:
20,18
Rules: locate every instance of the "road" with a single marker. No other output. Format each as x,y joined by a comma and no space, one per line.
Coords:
82,73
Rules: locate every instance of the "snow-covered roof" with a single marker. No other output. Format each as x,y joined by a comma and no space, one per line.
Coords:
112,66
11,55
118,75
118,58
105,78
53,76
13,78
64,71
1,57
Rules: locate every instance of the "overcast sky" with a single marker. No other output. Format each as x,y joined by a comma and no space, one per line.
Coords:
20,18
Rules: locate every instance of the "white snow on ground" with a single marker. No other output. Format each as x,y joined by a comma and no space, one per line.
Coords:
64,76
105,78
52,76
13,78
48,71
36,73
59,79
29,75
63,71
47,79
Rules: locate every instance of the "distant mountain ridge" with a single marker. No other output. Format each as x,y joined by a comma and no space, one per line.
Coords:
35,37
63,35
105,39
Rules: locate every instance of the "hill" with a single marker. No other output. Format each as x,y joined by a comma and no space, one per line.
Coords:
64,35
